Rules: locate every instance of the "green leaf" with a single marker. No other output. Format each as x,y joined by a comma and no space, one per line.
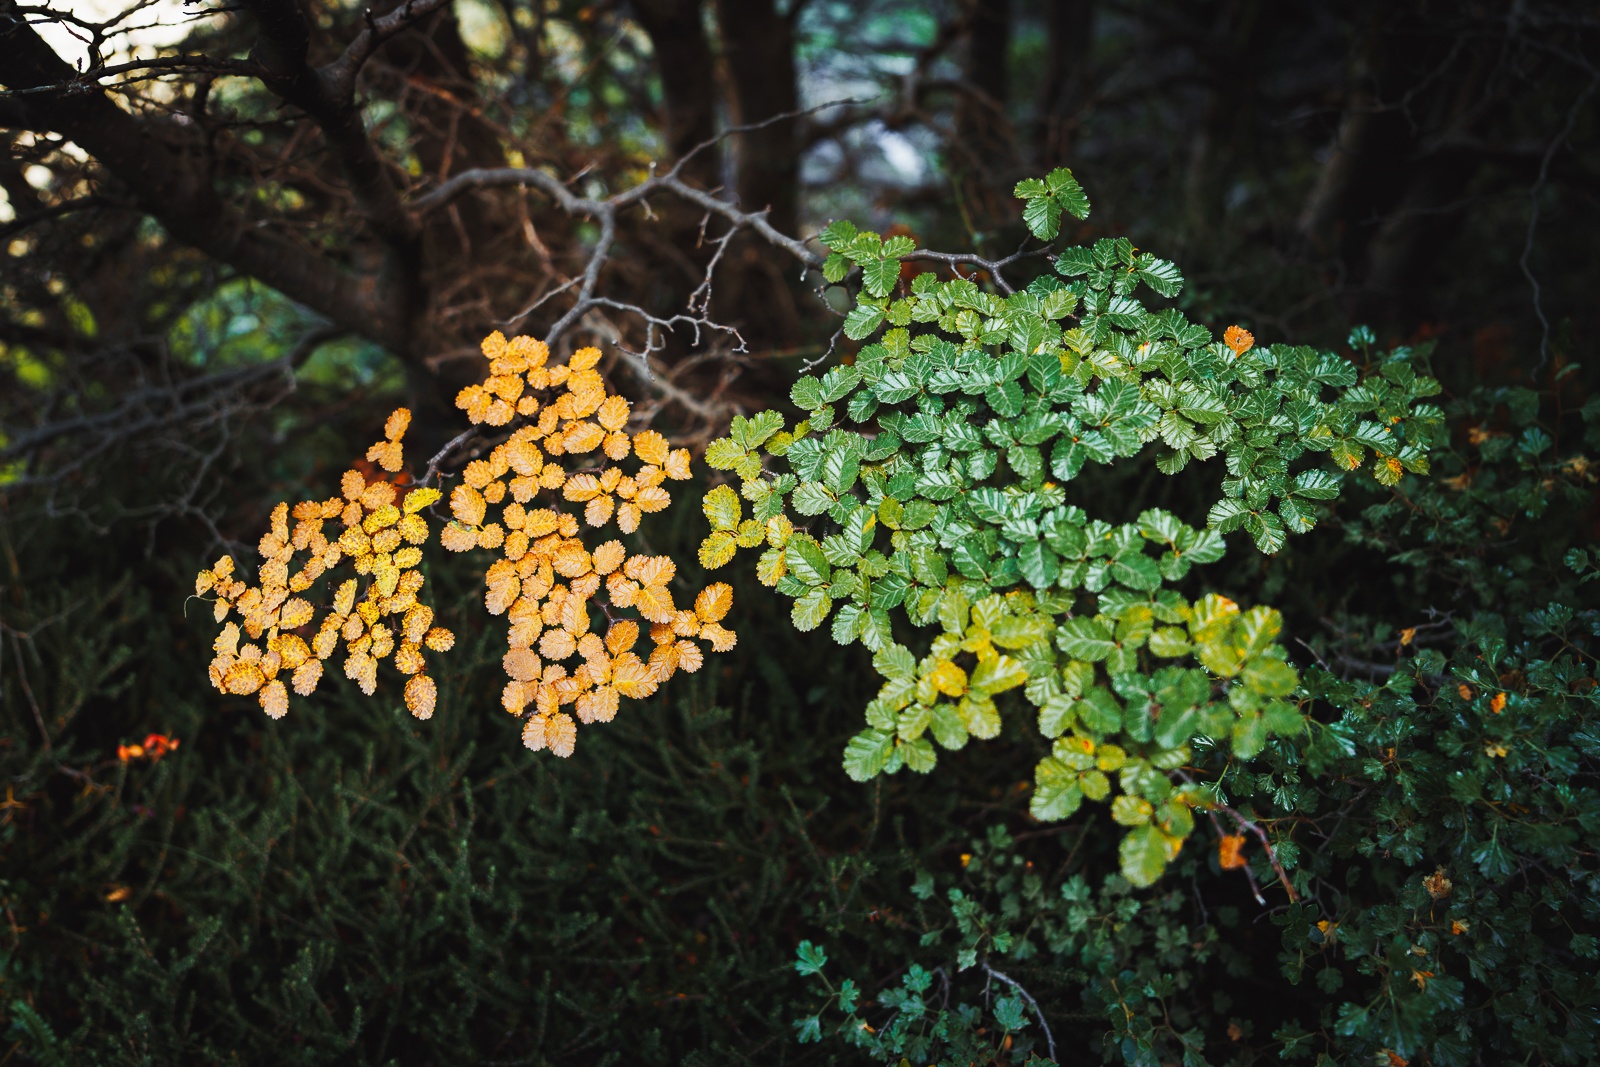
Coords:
1085,639
1042,216
812,498
1131,811
806,393
1143,854
1065,188
859,324
724,454
880,275
867,754
1161,275
1074,261
752,432
812,958
806,560
895,662
847,623
899,246
919,755
838,233
809,610
1039,565
839,469
996,675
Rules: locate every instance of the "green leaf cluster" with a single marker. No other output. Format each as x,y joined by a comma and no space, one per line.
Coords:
929,488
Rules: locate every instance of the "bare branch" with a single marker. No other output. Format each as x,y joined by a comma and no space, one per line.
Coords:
1049,1038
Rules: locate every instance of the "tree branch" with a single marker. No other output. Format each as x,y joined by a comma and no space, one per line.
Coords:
172,188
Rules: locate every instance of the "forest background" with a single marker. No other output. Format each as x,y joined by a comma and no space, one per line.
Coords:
236,235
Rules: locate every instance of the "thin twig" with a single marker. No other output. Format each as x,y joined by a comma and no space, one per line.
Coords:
1049,1039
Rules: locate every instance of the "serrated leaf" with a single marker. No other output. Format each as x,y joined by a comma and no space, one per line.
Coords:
862,320
809,610
838,233
1039,565
878,276
811,498
1143,855
895,662
1065,188
867,754
751,433
847,623
1042,216
806,393
1161,275
1074,261
717,550
1085,639
806,560
723,454
723,508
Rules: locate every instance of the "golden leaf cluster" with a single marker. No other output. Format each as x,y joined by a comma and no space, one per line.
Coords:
380,534
556,473
547,578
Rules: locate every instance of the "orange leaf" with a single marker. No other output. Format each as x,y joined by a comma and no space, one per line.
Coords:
1230,852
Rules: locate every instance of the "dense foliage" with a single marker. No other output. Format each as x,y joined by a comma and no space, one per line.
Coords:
979,412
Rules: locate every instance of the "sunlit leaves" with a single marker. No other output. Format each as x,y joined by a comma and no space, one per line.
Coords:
543,580
932,476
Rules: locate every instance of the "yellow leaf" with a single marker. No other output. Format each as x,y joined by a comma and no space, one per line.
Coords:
582,437
598,511
387,454
721,639
654,602
420,696
581,487
613,413
598,705
295,612
631,677
722,508
584,358
608,556
458,538
494,346
714,601
394,427
650,447
467,504
948,678
622,636
561,734
522,664
1230,852
306,677
533,733
418,499
274,700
